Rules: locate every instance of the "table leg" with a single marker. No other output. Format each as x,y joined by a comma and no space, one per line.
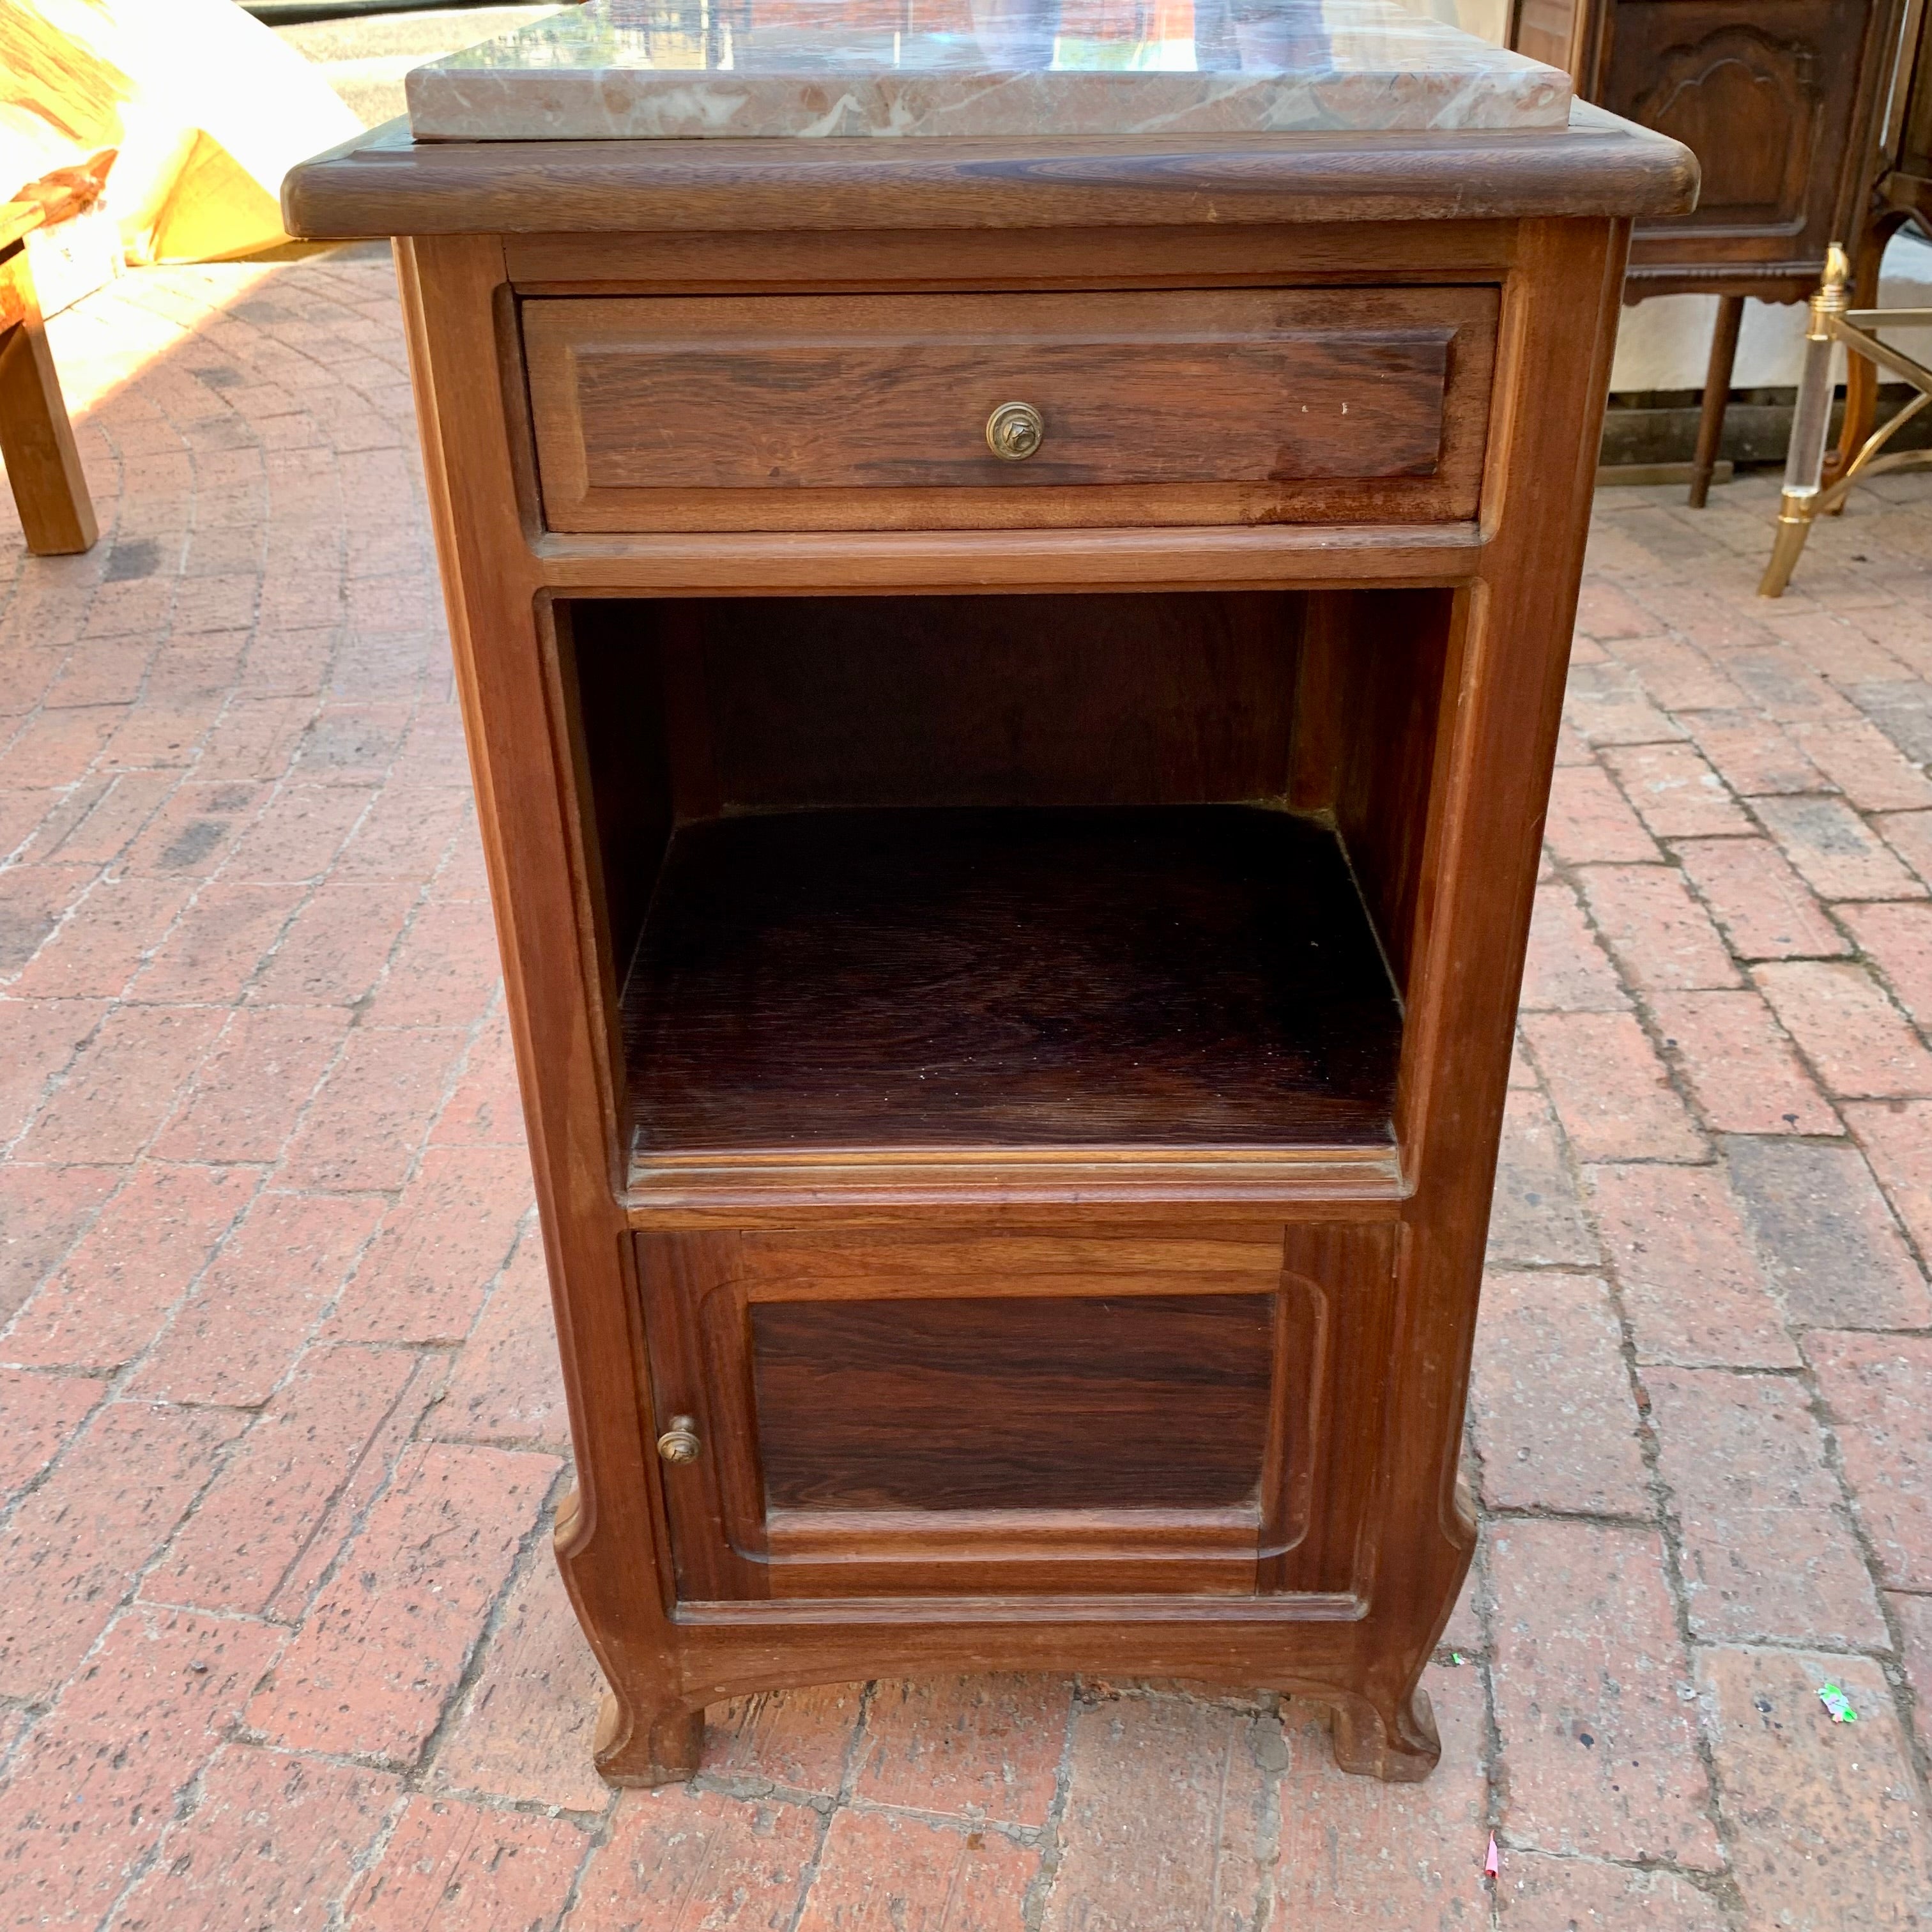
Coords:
1716,396
36,438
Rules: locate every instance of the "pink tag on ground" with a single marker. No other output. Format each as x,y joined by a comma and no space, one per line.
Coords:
1492,1865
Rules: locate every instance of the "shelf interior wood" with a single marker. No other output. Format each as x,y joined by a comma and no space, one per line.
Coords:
1114,977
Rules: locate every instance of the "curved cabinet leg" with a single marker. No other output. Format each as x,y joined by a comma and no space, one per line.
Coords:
649,1746
1397,1743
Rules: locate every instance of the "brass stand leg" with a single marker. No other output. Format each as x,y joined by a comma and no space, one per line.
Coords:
1810,426
36,438
1716,396
1861,375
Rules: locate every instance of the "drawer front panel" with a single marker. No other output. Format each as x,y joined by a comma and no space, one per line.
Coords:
855,411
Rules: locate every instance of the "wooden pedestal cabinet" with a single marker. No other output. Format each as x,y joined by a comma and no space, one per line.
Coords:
1012,691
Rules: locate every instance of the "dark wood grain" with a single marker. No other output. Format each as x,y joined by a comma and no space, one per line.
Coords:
383,183
1202,975
1070,1402
652,414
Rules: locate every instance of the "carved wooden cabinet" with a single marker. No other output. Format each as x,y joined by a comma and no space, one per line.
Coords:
1779,100
1012,686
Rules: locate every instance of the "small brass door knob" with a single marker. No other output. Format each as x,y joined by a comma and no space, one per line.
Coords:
1014,431
679,1442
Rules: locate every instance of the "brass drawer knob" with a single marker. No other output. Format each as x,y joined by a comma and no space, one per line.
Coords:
1014,431
679,1442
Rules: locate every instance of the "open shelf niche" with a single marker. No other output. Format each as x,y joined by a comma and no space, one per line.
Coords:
1095,872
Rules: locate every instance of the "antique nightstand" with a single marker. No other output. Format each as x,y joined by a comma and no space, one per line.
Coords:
1011,672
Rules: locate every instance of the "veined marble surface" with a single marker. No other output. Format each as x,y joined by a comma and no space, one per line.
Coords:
677,69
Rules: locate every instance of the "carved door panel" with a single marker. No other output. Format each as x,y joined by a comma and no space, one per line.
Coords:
883,1414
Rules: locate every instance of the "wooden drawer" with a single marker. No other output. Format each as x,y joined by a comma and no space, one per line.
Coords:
870,411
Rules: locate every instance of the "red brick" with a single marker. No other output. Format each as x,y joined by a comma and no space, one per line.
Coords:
99,835
1589,823
104,940
441,1246
508,1385
1766,911
214,947
335,950
233,1340
1610,1089
1675,793
800,1737
1550,1400
1832,647
363,1129
1605,610
451,1865
299,831
1781,684
1909,835
39,1040
259,1514
1605,706
525,1733
254,738
252,1086
73,1547
1195,1768
1834,1253
273,1841
1838,857
1663,939
113,1296
1567,969
464,877
1897,1137
445,973
1897,938
162,729
57,747
122,1084
1827,1825
97,1782
1859,1043
1586,1648
407,834
1693,1286
1535,1217
195,831
971,1747
352,742
37,1414
33,899
43,1211
680,1857
371,1475
1769,1548
1914,1614
385,1643
1864,764
1355,1852
1877,1391
1678,676
1744,1074
882,1872
1538,1893
487,1108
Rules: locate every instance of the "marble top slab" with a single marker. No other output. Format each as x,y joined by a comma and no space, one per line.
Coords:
680,69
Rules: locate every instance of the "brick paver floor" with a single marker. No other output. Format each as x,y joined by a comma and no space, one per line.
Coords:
281,1645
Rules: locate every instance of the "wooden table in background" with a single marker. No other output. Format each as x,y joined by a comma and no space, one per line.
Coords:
1779,100
36,438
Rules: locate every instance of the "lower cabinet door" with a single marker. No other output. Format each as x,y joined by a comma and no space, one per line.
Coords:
873,1414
